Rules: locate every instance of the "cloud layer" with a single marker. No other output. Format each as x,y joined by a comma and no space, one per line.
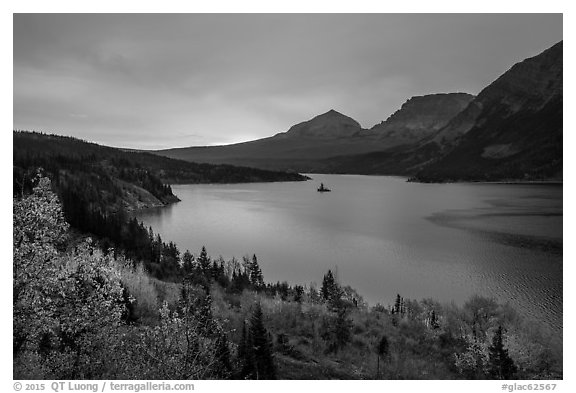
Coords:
157,81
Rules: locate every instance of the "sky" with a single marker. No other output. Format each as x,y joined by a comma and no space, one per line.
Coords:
154,81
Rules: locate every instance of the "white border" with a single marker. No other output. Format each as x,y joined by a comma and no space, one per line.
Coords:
308,6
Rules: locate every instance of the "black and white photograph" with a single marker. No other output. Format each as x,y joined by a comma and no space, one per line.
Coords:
287,196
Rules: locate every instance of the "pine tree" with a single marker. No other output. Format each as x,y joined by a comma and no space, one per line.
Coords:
264,363
397,305
329,286
188,263
245,359
298,293
224,365
204,261
255,349
256,277
382,351
500,364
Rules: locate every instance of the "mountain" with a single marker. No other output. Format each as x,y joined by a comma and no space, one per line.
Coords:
296,150
128,179
512,130
421,116
329,125
306,146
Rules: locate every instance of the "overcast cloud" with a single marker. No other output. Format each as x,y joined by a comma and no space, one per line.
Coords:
159,81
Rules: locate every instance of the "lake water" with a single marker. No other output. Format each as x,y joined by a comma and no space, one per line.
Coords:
385,236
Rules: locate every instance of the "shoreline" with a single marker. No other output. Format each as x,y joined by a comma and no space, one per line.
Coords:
414,180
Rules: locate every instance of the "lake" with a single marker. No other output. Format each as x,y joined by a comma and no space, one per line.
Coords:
385,236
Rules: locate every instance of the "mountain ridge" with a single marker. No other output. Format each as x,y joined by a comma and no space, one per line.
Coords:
421,115
304,146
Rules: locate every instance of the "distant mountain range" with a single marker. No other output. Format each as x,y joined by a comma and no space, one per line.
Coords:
307,146
511,131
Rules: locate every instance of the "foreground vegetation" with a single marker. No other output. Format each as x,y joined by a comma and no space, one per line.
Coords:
84,313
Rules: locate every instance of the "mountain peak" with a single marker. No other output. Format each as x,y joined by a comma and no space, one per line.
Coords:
331,124
333,114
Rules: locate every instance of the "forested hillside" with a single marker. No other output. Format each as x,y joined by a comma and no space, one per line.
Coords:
61,155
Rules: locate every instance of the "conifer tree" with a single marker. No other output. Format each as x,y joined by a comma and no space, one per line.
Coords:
397,305
224,365
245,354
264,363
382,351
298,293
188,263
255,349
329,285
256,277
204,262
500,364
